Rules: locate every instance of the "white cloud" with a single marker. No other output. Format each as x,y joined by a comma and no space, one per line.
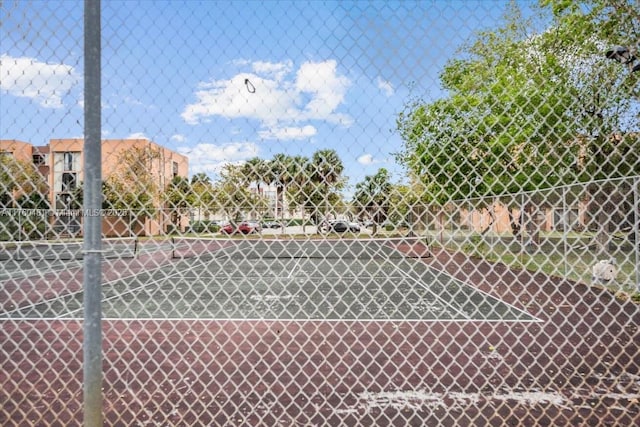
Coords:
137,135
286,133
178,138
314,93
231,99
132,101
385,86
241,62
211,158
276,69
328,90
43,82
367,159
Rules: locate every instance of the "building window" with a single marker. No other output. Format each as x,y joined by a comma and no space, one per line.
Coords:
66,171
39,160
67,161
175,169
69,181
70,161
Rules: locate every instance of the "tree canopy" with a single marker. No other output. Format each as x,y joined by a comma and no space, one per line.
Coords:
526,109
372,195
21,184
132,185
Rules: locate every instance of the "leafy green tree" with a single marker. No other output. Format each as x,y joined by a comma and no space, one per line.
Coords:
609,95
372,195
20,183
204,196
308,196
179,199
132,186
527,111
233,194
505,126
179,193
21,186
610,144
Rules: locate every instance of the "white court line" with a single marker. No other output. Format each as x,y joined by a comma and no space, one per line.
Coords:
475,289
132,291
292,271
295,268
445,303
71,294
41,272
267,319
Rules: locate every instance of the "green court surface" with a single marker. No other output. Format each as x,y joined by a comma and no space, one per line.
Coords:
287,285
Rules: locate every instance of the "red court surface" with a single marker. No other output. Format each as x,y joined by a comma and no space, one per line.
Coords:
576,367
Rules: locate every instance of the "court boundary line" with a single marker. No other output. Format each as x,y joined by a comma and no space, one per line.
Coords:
234,246
130,291
81,290
270,320
403,274
476,289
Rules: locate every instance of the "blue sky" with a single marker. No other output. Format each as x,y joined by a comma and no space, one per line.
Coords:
326,74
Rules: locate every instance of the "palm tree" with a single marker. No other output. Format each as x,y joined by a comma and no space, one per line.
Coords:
279,174
258,171
326,169
373,193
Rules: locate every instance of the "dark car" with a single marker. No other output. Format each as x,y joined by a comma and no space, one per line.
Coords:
271,224
344,226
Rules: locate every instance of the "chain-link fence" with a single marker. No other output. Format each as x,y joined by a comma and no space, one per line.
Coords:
319,213
565,231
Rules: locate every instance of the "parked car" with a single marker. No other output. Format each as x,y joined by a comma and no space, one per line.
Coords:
344,226
227,228
271,224
247,227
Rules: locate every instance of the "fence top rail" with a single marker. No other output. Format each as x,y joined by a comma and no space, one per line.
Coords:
560,187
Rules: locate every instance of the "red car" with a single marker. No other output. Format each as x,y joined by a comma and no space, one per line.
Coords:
227,228
247,227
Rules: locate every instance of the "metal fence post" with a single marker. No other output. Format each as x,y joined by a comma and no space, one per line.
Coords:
636,225
92,341
566,228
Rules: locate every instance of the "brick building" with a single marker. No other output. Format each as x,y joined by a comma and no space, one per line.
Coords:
60,162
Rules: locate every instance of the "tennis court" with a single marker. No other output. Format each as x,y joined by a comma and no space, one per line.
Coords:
367,279
303,213
292,337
